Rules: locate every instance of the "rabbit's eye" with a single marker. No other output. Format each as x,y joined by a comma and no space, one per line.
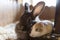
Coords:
29,19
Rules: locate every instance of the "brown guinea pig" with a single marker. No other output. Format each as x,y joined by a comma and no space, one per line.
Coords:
41,29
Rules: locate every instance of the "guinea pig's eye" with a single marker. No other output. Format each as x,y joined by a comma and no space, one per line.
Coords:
39,30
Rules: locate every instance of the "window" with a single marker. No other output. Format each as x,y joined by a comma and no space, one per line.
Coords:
48,2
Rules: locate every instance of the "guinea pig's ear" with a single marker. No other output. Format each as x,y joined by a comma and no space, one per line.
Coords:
27,7
38,8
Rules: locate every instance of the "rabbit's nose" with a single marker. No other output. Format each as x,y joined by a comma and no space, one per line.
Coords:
29,31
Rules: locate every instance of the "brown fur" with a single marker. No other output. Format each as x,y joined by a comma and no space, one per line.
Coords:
48,13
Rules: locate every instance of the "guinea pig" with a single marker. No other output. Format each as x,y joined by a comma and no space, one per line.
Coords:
27,20
40,29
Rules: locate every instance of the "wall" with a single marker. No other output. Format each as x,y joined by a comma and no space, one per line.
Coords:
8,11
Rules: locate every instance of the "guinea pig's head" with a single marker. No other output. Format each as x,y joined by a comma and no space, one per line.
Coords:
40,29
28,16
37,30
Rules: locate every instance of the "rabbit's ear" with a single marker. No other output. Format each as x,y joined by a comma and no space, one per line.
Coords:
27,7
38,8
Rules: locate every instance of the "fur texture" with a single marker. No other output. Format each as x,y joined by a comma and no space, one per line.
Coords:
27,21
40,29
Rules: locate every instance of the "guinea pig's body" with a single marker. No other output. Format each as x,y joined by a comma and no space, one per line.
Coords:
41,29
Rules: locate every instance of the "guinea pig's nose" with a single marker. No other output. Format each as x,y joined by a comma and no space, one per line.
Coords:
31,35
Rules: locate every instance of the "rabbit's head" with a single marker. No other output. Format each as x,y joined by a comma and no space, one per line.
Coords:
27,19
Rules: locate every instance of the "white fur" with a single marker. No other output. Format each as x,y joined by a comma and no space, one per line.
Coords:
37,19
8,32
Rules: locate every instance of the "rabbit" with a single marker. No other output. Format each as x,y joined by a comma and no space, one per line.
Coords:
23,28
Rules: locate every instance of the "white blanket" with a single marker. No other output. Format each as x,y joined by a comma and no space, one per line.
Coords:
8,32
